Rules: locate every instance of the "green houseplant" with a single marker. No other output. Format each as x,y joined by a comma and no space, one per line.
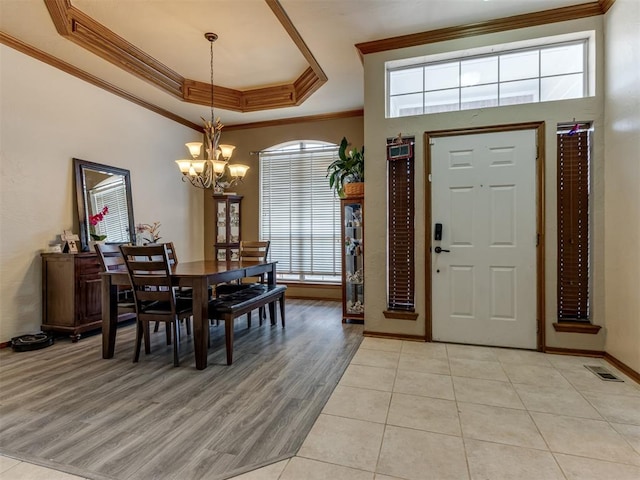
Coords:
348,168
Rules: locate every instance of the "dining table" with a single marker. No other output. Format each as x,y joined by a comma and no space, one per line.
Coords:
198,275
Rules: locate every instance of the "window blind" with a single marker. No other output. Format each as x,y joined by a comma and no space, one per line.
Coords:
573,225
299,213
113,195
401,282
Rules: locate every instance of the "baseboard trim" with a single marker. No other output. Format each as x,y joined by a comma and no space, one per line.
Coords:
306,297
623,367
396,336
574,352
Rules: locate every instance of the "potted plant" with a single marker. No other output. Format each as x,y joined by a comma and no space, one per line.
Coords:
346,174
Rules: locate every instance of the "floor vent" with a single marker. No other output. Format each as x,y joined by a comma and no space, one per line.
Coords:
603,373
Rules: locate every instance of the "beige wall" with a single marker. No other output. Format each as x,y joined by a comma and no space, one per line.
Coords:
49,117
622,182
377,129
256,139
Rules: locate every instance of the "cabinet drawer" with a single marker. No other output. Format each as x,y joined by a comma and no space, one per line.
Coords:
88,266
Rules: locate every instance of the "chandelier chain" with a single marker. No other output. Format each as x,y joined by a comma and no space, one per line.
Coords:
211,63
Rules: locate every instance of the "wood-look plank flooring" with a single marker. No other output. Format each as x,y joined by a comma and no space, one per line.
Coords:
67,408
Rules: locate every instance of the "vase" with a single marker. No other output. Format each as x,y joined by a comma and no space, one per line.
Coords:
93,243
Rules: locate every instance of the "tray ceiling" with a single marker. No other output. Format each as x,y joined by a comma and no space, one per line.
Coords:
273,59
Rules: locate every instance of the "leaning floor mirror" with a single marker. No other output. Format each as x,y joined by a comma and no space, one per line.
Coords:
105,208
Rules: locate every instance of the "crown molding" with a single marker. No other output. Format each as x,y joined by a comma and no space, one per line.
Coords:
22,47
296,120
482,28
86,32
606,5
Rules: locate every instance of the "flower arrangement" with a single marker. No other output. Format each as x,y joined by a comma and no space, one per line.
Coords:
149,233
94,220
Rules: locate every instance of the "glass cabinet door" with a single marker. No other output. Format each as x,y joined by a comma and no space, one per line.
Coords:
352,259
227,211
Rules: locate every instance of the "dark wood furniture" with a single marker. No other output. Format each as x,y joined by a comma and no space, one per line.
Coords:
197,275
110,258
71,293
227,231
149,271
231,306
249,250
352,217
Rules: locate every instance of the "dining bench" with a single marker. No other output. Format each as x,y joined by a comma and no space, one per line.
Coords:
233,305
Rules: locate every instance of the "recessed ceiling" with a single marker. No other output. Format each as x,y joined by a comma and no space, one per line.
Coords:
255,49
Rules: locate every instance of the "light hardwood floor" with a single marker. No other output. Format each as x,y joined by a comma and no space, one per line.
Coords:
66,407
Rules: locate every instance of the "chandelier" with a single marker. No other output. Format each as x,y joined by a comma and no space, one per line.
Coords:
214,171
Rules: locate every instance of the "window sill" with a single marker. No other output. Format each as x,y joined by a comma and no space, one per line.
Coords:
400,315
576,327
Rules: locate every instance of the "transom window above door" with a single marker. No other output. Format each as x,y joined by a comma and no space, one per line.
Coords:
516,76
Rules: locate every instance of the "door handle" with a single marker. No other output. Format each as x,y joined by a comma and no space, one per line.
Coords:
439,250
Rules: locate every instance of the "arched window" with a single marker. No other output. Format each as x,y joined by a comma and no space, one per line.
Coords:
299,213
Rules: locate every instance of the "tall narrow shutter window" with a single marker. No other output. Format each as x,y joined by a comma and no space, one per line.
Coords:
401,281
573,225
299,213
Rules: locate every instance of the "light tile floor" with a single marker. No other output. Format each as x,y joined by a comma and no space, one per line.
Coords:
420,411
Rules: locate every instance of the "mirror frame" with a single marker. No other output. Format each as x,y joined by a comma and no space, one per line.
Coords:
79,167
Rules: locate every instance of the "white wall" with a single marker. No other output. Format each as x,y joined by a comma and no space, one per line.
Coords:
47,118
377,129
622,182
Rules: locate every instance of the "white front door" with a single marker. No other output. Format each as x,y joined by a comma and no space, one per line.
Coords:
483,194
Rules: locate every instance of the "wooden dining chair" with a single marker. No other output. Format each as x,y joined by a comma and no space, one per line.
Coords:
180,291
149,271
111,259
250,250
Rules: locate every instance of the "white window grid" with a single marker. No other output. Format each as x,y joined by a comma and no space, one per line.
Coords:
499,99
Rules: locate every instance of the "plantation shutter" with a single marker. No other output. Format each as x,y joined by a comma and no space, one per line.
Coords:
299,213
573,226
401,235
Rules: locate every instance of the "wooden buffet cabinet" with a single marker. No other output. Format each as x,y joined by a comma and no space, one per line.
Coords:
71,293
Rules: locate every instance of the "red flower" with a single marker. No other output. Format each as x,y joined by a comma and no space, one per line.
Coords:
98,217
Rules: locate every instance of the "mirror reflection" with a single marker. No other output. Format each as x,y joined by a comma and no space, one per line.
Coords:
105,211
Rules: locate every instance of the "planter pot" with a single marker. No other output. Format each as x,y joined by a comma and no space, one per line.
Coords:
354,189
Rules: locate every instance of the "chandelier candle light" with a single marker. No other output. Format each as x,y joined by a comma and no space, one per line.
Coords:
211,172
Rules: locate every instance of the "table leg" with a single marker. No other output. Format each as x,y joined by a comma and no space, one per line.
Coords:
109,316
228,338
271,274
200,322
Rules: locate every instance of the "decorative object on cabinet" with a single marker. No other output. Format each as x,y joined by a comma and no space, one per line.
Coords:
211,172
352,259
70,240
227,232
346,174
99,186
71,293
146,233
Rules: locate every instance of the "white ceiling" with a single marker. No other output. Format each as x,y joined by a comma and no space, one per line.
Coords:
253,49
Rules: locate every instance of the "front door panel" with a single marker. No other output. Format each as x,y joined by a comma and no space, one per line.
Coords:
483,193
